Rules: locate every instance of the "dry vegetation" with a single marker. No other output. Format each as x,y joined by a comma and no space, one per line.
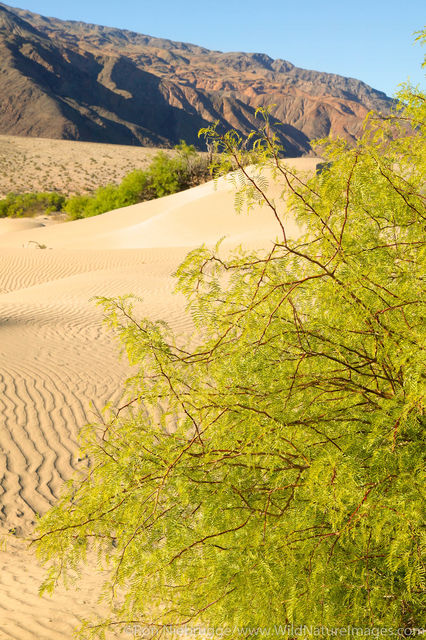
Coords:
66,166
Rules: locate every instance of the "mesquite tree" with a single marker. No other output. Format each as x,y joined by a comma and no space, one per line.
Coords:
270,472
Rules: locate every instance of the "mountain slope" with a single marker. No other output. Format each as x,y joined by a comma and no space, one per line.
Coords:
79,81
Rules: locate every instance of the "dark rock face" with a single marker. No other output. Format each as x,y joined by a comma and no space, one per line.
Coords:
78,81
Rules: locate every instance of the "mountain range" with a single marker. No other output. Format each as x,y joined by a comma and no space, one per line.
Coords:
72,80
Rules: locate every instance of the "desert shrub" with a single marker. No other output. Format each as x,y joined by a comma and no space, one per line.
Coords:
30,204
272,473
167,174
164,176
76,206
135,187
103,199
193,167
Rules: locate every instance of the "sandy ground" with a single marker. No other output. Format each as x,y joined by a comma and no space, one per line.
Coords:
59,365
67,166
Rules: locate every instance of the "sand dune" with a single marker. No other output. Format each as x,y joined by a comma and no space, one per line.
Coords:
199,215
59,365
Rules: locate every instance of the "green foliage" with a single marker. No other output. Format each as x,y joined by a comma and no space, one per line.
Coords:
135,186
76,206
30,204
164,176
272,473
104,199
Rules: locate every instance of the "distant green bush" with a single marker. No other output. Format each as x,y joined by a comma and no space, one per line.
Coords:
164,176
76,206
30,204
103,199
135,187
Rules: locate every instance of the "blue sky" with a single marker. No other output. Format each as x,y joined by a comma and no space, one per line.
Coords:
370,40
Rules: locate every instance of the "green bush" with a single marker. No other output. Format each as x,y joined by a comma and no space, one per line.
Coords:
135,187
104,199
77,206
164,176
31,204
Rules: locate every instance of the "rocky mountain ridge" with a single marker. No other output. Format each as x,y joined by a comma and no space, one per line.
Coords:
72,80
